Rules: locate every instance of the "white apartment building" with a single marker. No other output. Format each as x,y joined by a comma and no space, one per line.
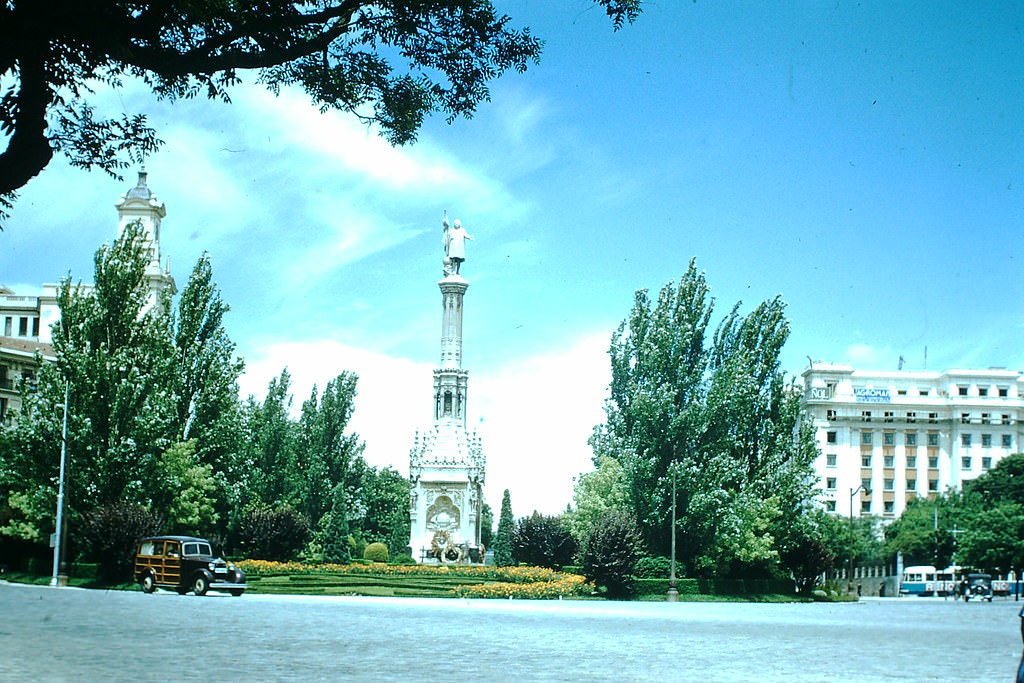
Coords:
886,437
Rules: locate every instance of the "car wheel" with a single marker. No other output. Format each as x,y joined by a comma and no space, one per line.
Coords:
236,592
148,584
200,585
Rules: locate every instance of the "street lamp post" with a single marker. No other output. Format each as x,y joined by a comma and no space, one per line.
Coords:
60,562
673,591
853,492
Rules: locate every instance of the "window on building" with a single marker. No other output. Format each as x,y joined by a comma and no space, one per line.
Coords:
986,418
889,439
1004,392
933,439
8,329
866,483
965,462
890,461
933,484
911,416
986,462
911,484
965,440
986,441
982,391
830,483
965,418
901,392
23,327
866,438
830,506
1005,419
865,461
830,460
865,415
911,439
831,437
35,327
911,461
888,415
922,391
933,462
961,390
865,506
889,484
933,417
888,507
830,415
1006,440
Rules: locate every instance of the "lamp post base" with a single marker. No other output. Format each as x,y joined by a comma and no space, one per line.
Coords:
673,595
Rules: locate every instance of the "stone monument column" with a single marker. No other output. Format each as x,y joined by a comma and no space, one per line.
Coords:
446,463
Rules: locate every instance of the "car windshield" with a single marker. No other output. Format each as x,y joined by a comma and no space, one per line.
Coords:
197,549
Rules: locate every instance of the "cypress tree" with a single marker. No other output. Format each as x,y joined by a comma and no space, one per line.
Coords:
503,537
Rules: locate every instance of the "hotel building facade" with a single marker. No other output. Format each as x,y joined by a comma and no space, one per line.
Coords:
888,437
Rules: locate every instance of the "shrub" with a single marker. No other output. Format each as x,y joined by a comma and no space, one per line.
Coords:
110,535
403,559
543,542
610,553
376,552
653,568
272,533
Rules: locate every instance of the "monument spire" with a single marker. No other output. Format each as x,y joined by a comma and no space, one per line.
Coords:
446,464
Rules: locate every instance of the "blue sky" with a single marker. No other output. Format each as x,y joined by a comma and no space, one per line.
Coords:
863,160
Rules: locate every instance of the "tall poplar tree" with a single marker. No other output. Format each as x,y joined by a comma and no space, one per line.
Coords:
718,413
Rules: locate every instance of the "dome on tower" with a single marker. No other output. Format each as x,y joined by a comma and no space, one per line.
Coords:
141,190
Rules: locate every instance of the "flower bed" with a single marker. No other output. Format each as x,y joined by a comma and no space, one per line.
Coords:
480,582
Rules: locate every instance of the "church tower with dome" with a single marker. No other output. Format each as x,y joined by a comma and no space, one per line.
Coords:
447,464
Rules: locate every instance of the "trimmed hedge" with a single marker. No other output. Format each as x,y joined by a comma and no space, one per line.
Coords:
717,586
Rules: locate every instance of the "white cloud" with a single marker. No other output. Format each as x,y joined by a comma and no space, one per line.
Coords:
538,414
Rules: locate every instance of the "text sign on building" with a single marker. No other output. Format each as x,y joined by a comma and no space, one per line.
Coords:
865,395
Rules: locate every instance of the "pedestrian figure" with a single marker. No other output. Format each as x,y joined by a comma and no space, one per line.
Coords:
859,589
1020,667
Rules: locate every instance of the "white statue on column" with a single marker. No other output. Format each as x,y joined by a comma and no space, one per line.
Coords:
454,240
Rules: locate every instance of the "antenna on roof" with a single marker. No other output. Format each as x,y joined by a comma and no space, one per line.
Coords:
900,366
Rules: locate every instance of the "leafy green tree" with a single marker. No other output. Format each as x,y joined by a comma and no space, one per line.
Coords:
503,538
720,415
271,443
486,525
113,348
205,386
388,63
325,455
923,534
385,495
810,547
1002,483
610,553
994,538
595,494
543,541
187,488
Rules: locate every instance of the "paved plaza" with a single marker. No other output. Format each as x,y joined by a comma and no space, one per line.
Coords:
64,634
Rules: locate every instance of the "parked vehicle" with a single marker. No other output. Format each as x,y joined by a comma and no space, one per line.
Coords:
183,564
978,586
